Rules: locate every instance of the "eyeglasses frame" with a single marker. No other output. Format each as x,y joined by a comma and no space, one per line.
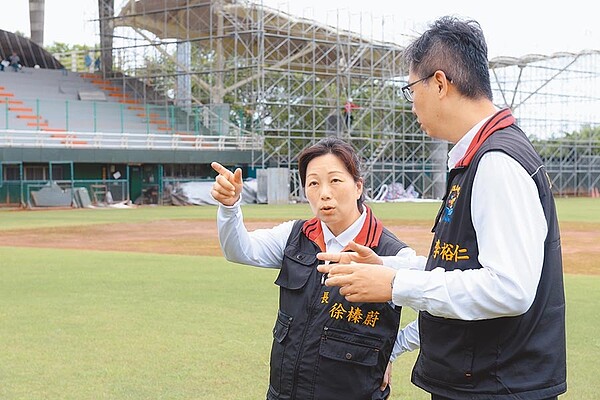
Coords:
406,88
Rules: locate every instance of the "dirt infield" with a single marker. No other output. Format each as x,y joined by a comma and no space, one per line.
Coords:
581,248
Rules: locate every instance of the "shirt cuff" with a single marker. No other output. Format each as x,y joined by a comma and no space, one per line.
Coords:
232,209
406,258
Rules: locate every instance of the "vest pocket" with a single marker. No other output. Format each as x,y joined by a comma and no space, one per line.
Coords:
280,378
447,350
282,326
347,366
272,394
297,268
349,347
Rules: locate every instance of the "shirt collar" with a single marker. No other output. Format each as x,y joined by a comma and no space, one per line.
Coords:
332,242
460,148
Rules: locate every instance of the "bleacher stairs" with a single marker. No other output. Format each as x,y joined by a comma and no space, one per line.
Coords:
60,101
63,109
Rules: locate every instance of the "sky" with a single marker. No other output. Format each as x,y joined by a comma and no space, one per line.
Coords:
512,27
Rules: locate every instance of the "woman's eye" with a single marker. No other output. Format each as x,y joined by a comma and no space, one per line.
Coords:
312,183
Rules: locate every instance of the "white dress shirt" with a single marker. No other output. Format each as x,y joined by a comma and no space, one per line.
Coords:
264,248
511,228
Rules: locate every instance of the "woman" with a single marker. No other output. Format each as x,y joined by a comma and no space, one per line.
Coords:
324,347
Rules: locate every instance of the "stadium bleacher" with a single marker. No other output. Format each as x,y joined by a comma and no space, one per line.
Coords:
75,132
58,100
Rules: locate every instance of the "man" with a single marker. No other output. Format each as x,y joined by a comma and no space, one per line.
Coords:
349,108
490,295
14,61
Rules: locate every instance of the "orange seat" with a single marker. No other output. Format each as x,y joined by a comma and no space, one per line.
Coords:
21,116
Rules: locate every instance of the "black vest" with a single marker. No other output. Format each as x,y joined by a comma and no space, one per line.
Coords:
521,357
324,347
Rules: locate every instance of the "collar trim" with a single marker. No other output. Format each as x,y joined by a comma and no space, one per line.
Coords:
500,120
369,234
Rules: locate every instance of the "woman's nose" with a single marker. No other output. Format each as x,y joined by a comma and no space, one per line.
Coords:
325,192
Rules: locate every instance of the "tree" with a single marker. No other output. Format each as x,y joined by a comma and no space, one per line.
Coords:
65,53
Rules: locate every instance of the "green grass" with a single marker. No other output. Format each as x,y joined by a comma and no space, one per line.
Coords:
109,325
574,210
105,325
20,219
580,209
583,342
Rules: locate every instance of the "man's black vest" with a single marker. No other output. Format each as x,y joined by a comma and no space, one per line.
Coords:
521,357
324,347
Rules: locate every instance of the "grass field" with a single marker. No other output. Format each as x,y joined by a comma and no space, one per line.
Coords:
77,323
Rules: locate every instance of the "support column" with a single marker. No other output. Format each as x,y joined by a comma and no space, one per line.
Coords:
439,161
106,13
36,21
184,80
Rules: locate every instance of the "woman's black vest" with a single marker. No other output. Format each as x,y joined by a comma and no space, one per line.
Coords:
521,357
324,347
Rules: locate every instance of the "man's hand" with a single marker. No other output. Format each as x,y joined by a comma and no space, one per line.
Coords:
357,254
361,282
228,185
387,377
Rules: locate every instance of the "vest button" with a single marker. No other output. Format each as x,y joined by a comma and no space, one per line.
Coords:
299,256
348,356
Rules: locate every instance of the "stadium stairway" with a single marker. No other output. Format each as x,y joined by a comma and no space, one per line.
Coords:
19,115
156,117
60,101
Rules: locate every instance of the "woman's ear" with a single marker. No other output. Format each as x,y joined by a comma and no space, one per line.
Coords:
359,188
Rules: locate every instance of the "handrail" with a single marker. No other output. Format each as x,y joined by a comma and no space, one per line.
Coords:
92,116
126,141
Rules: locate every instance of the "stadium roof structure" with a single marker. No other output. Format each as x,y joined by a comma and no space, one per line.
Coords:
292,42
193,20
508,61
30,53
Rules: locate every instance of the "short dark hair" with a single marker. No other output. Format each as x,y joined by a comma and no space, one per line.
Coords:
340,149
456,47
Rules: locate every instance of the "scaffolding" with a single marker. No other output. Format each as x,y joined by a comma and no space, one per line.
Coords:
293,81
556,100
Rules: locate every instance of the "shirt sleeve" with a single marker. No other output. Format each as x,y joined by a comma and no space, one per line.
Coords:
259,248
407,340
406,258
511,229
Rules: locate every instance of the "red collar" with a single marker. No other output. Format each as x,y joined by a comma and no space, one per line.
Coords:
500,120
368,236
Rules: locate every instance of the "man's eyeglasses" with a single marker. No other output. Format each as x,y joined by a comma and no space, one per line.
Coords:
408,94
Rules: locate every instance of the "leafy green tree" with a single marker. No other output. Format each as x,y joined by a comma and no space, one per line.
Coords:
567,148
66,52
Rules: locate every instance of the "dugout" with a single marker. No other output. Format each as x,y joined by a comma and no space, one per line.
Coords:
109,176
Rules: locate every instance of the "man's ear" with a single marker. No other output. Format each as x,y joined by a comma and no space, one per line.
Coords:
441,80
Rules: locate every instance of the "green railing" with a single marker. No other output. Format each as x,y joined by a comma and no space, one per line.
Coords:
105,116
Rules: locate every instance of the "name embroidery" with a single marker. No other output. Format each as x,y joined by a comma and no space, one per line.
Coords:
449,251
355,315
